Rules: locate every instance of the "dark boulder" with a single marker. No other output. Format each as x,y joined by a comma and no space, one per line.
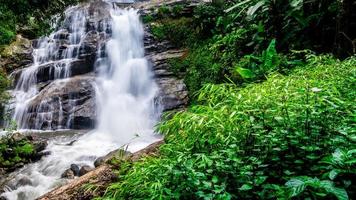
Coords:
68,174
84,170
75,168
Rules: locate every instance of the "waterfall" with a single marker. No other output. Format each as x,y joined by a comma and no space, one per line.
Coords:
125,92
55,54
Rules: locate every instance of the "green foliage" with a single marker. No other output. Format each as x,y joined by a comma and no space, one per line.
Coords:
198,68
178,31
6,35
28,17
279,139
14,151
163,11
243,37
257,66
298,185
295,24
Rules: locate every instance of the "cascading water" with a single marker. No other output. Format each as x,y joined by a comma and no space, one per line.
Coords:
55,53
125,92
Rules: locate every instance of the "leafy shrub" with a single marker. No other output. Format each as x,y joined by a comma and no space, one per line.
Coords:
276,139
6,36
163,11
198,68
178,31
14,151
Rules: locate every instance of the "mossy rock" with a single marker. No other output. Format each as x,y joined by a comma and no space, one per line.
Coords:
16,55
20,45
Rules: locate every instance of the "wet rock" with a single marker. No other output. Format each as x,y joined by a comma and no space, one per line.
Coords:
89,46
68,174
173,93
84,170
21,196
3,198
2,172
40,145
75,169
18,137
44,153
71,143
23,182
58,69
62,35
99,161
19,165
70,101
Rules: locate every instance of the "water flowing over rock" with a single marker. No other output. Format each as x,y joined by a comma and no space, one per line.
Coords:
70,51
64,103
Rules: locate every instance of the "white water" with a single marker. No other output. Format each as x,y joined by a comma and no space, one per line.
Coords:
127,115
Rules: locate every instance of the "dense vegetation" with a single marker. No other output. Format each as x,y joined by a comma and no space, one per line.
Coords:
29,17
15,150
290,136
270,118
241,40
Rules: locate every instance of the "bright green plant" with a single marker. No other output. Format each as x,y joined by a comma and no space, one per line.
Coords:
14,151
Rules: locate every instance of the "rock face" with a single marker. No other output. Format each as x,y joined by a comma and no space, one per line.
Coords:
173,92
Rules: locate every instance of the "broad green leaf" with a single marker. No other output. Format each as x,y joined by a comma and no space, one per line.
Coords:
245,73
333,173
296,185
237,5
339,193
245,187
251,11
